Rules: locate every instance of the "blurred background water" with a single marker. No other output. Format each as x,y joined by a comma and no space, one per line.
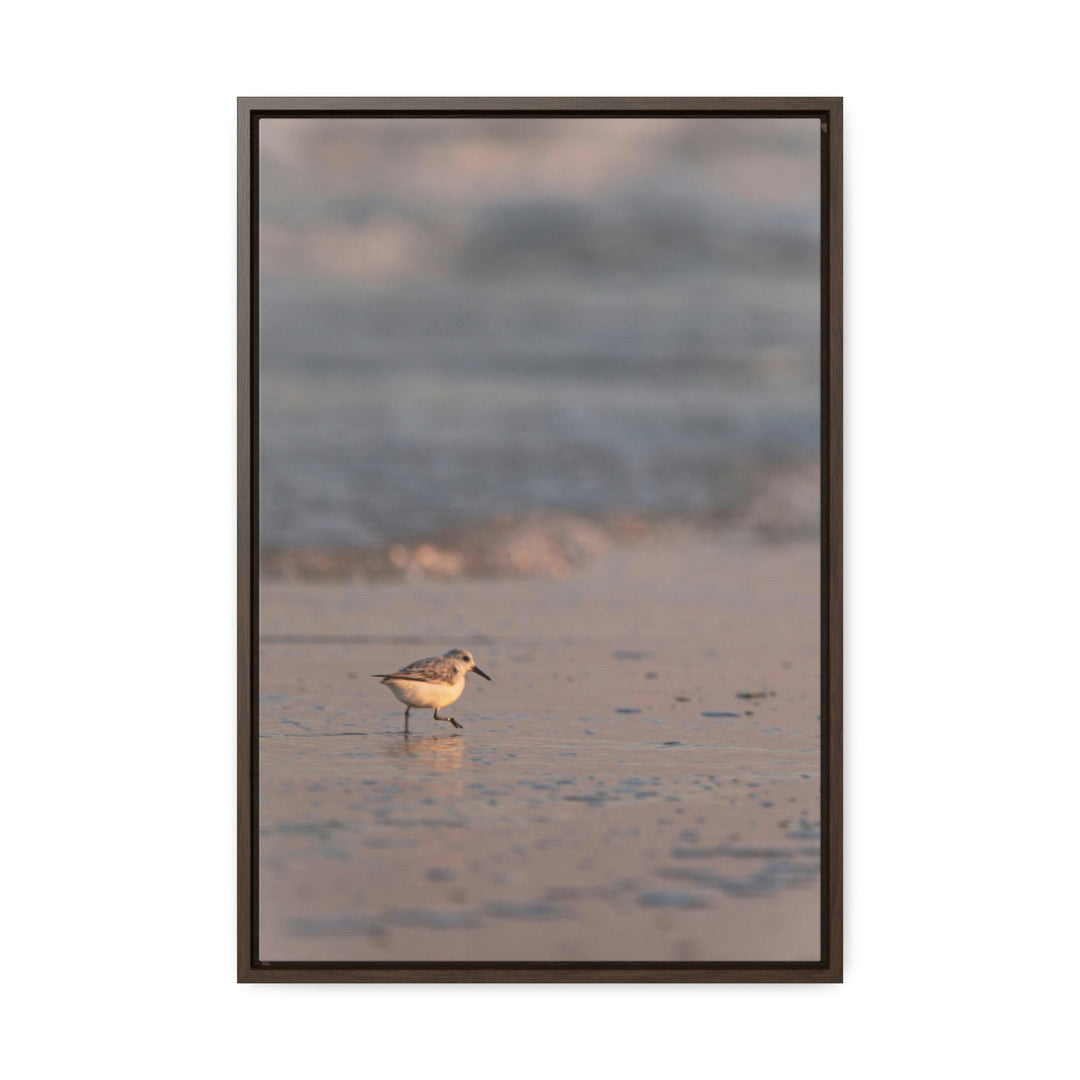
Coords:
470,318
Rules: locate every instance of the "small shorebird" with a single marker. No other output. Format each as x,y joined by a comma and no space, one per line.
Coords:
432,683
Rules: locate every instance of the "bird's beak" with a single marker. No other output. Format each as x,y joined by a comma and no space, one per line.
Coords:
481,674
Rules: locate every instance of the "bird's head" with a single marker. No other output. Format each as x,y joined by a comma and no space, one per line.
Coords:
465,658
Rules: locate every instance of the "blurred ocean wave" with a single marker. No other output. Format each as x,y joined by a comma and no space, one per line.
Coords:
502,320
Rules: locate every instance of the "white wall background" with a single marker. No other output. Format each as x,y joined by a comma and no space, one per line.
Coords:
118,612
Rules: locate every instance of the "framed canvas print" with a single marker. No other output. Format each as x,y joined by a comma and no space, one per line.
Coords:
539,539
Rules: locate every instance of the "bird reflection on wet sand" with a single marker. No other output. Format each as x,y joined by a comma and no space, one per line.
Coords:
440,755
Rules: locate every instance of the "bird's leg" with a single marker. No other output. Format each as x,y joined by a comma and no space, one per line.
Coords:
448,719
407,710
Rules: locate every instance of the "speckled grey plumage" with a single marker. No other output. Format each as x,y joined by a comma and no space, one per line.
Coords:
432,669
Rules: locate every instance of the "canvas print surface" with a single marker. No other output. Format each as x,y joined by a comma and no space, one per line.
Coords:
539,408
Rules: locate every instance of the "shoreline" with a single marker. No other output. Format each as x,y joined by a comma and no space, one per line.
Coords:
783,506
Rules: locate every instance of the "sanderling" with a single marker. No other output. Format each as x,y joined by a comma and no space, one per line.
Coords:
432,683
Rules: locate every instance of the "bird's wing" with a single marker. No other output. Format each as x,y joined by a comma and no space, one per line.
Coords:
436,669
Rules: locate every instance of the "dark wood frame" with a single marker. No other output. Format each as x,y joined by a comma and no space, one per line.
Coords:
829,968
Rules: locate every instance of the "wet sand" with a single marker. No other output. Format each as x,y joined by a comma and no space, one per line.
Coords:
613,795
